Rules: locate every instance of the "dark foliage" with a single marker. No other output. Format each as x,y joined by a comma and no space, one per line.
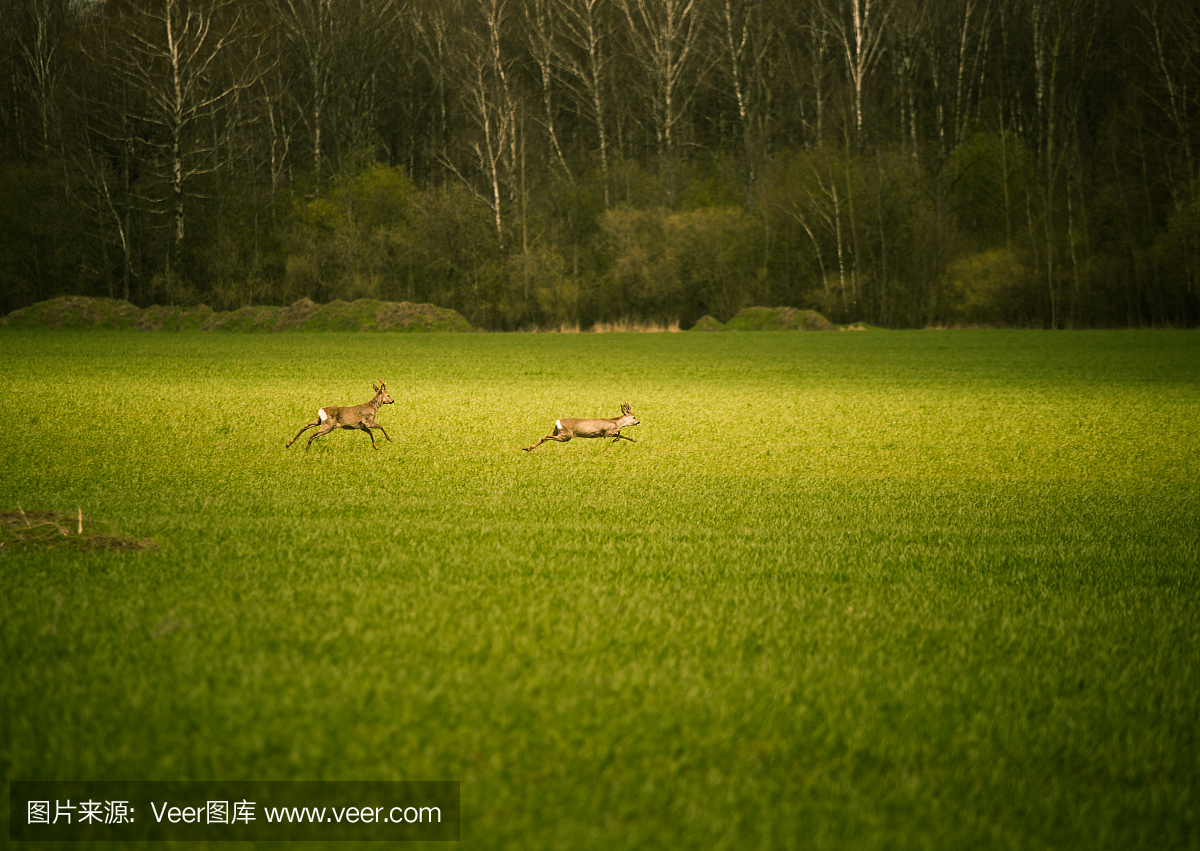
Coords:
546,162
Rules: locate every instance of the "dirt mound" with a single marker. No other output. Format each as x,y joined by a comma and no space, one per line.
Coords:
24,531
707,323
296,314
778,319
304,315
157,318
76,312
394,315
243,319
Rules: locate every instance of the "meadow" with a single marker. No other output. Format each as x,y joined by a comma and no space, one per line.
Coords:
930,589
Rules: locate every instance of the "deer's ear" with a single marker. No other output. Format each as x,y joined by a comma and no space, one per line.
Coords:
376,389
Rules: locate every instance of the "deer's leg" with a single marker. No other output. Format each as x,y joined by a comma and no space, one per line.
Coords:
385,434
313,424
562,437
619,436
367,429
325,429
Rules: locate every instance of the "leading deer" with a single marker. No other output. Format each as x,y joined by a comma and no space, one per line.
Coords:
564,430
361,417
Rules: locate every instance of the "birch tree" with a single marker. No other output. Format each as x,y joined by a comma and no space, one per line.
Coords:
438,25
172,57
310,26
1171,32
955,41
857,29
908,34
40,50
815,197
1063,46
583,57
541,33
664,35
489,100
745,38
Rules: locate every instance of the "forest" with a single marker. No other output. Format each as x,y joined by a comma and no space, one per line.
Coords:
558,163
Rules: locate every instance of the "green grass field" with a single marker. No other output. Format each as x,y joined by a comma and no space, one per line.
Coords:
848,590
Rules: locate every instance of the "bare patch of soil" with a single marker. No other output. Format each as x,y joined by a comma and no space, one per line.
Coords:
36,530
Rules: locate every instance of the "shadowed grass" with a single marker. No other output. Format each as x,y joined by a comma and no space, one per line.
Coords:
902,590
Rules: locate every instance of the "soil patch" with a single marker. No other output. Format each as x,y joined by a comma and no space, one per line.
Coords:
36,530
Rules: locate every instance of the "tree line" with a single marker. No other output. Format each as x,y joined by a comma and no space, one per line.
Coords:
563,162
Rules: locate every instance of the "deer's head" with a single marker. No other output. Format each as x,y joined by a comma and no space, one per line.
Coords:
627,413
382,395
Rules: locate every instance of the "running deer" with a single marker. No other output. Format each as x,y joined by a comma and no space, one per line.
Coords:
564,430
361,417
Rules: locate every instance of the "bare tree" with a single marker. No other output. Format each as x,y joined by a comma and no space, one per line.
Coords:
955,40
541,33
490,101
806,59
1171,31
745,39
1064,48
438,25
280,122
39,46
172,56
583,58
857,29
908,34
310,26
664,35
817,203
368,34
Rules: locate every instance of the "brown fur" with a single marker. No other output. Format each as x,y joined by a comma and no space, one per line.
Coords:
566,429
359,417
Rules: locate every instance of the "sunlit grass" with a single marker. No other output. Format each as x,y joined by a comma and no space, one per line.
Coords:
879,590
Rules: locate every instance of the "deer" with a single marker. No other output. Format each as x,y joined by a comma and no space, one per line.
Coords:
565,429
360,417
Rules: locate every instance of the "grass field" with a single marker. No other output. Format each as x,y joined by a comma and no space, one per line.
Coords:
848,590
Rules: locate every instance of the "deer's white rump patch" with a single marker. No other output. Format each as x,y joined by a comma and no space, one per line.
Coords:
322,415
558,423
